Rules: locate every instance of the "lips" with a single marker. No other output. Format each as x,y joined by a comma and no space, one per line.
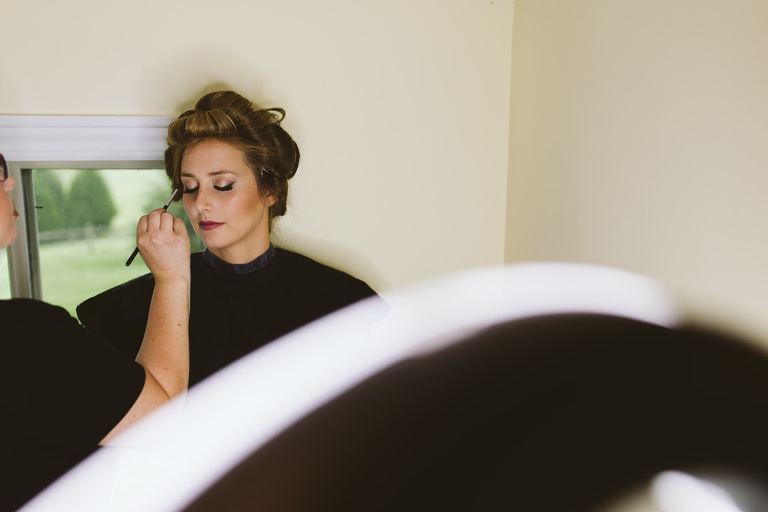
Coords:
15,213
208,225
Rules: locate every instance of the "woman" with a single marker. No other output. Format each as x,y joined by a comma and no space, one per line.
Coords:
64,390
233,161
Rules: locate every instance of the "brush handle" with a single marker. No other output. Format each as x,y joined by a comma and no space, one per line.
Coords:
133,256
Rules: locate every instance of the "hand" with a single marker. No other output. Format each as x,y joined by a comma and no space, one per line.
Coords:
164,245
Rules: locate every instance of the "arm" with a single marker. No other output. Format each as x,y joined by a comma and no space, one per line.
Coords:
164,352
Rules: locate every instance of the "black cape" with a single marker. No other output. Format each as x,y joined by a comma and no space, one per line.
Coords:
63,390
231,313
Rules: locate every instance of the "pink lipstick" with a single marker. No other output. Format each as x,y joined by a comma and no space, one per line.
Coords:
208,225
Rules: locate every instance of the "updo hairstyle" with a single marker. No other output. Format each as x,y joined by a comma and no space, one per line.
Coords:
269,151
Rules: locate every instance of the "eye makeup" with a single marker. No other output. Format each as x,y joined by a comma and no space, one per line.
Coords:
222,188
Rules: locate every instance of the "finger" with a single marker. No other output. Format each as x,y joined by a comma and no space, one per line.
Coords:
143,224
154,218
179,226
166,221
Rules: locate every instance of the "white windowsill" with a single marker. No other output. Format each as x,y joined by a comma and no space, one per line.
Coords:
25,138
88,142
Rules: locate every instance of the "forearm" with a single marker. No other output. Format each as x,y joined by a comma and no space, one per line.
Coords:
164,352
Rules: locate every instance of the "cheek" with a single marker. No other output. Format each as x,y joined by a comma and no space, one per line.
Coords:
188,206
237,205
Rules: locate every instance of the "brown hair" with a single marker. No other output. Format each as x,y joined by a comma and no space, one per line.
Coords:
269,151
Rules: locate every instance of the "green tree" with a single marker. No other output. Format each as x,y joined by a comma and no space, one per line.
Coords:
50,197
89,201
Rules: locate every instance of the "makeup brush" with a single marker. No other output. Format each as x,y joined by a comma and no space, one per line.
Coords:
136,250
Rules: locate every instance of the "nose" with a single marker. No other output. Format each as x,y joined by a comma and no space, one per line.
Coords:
202,200
9,184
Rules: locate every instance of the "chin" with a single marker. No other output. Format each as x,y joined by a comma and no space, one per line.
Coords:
8,239
217,249
209,241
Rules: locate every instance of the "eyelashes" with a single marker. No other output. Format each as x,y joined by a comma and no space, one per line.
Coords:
224,188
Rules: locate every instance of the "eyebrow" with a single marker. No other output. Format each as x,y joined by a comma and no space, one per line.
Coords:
212,173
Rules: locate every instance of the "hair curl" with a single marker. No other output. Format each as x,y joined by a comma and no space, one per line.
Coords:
269,150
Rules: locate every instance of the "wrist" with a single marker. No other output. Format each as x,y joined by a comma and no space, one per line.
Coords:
173,281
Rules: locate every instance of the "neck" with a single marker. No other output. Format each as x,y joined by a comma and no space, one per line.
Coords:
246,268
241,256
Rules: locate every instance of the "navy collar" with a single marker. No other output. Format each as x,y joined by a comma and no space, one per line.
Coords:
243,268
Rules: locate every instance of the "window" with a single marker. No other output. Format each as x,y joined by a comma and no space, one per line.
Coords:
5,281
41,150
86,227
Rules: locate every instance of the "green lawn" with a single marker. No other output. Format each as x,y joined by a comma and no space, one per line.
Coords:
72,271
75,270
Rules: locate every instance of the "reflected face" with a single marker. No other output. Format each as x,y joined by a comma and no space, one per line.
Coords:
8,213
223,201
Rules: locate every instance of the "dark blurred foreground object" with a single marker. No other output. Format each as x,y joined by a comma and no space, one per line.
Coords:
534,387
551,413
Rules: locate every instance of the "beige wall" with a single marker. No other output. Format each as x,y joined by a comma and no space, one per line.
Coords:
400,108
640,140
637,137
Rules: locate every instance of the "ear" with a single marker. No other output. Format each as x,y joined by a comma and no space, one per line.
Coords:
269,200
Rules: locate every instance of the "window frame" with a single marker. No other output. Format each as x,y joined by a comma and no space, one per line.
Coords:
68,142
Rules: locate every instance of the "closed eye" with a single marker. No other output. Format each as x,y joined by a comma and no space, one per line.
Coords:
224,188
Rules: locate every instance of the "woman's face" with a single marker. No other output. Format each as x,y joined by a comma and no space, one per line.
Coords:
223,201
8,213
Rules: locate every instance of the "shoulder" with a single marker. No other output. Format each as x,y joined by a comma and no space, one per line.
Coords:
128,291
129,300
42,326
311,271
32,312
136,285
300,262
314,286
